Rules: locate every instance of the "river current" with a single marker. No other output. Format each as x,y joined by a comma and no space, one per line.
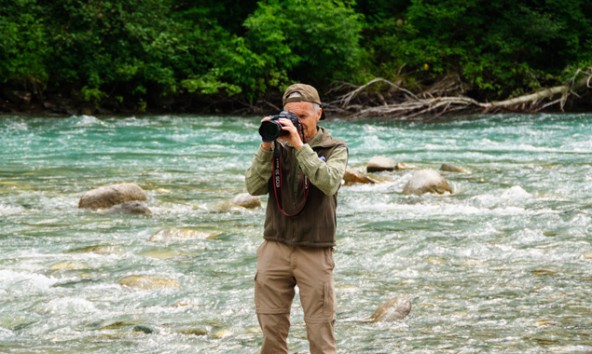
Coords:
501,265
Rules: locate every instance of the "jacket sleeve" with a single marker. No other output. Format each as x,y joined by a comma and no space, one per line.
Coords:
325,175
259,173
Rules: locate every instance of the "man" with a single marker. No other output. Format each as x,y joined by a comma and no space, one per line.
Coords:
307,166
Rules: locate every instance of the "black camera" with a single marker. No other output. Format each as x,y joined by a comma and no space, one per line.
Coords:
271,129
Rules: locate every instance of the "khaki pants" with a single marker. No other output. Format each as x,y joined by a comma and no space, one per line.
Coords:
281,267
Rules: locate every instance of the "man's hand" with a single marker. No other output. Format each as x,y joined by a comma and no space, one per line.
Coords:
293,138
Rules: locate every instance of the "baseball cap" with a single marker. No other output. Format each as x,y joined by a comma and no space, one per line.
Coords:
306,93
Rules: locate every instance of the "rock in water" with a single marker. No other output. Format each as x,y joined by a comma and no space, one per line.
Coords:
107,196
427,181
171,235
403,166
453,168
148,282
246,200
136,208
395,309
380,163
353,177
69,265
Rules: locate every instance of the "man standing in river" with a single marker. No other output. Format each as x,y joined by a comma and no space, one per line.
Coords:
307,165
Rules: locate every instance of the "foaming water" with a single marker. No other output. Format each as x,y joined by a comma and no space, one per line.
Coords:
502,264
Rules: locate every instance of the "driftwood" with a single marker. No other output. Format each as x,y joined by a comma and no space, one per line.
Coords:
404,104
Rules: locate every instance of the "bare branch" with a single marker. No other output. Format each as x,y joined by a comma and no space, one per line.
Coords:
429,105
346,99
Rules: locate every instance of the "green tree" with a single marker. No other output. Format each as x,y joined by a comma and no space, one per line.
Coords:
24,47
280,42
150,53
499,47
305,40
122,49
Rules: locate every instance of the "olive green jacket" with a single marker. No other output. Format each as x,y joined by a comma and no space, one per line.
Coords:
323,161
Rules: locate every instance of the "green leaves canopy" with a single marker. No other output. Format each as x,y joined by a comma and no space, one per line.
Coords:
141,53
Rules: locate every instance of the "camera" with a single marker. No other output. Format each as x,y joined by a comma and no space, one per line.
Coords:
271,129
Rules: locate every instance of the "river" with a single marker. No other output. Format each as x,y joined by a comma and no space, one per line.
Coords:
503,264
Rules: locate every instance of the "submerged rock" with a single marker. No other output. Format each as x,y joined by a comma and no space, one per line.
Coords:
164,253
107,196
453,168
124,326
69,265
181,234
118,325
427,181
98,249
394,309
194,331
135,208
143,329
221,333
147,282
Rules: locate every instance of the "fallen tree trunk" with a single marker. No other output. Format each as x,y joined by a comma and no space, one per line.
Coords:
411,106
531,99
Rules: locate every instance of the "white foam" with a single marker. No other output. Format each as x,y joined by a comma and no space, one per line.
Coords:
69,305
5,333
20,282
17,126
89,121
9,209
515,196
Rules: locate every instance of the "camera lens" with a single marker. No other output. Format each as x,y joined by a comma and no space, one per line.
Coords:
270,130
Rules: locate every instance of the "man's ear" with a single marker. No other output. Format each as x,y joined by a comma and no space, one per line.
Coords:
320,114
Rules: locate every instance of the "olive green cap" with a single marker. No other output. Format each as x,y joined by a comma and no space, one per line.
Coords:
307,94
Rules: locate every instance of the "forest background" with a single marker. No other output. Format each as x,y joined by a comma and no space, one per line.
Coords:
223,56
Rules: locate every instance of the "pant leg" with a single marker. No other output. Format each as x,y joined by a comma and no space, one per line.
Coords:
274,292
314,276
275,330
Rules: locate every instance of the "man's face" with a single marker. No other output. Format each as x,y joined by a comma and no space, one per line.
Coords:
306,115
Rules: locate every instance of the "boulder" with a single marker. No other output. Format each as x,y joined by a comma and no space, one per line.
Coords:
353,177
427,181
394,309
381,163
245,200
453,168
107,196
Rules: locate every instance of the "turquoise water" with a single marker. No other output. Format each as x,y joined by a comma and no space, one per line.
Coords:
504,264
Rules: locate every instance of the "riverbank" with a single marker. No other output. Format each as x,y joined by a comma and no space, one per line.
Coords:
358,102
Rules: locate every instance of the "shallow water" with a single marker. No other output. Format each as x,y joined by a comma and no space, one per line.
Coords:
504,264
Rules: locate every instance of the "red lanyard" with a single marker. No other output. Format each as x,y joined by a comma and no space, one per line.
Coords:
277,177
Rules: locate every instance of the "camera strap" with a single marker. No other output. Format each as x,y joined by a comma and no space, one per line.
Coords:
277,184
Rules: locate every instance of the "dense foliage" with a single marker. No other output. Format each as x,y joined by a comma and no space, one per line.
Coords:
181,54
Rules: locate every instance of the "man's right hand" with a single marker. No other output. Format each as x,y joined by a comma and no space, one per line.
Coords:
267,145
